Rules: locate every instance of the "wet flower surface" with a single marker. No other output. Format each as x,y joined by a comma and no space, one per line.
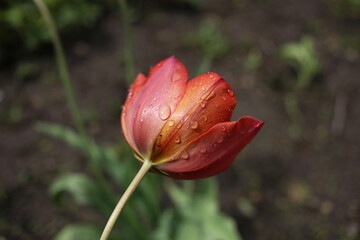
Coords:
183,127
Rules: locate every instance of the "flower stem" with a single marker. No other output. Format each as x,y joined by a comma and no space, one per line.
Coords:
125,197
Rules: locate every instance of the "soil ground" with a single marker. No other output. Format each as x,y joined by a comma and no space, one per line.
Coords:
303,188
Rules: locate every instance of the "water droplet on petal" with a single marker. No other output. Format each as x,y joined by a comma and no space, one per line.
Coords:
203,89
141,120
171,123
205,118
176,77
203,150
223,128
151,106
211,76
203,104
231,93
224,98
164,112
220,139
177,139
256,124
185,155
242,130
194,125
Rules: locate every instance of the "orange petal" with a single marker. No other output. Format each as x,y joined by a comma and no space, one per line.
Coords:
153,104
213,152
208,100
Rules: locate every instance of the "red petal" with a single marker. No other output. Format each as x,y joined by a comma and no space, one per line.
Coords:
126,122
164,88
212,152
208,100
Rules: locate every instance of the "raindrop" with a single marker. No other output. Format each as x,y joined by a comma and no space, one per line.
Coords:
256,125
141,120
203,104
242,130
154,98
205,118
203,150
177,139
194,125
220,139
185,155
203,89
171,123
224,98
231,93
223,128
164,112
151,106
211,76
176,77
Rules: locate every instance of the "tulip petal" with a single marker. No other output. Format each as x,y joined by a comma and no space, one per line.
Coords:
213,152
126,122
208,100
153,103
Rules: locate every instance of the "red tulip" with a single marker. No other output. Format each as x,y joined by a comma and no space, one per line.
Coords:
183,127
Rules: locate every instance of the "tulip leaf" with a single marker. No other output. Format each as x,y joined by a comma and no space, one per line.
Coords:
78,232
83,190
81,231
199,215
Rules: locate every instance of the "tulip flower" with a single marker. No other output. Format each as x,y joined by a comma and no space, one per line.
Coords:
181,129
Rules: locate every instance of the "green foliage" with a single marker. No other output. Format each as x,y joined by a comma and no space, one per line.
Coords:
81,232
303,58
197,215
211,39
21,21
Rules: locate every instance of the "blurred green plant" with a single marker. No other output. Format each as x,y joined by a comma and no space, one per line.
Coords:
212,41
349,9
142,213
20,20
303,58
197,215
139,217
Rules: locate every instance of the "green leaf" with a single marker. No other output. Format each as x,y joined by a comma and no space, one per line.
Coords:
83,190
79,232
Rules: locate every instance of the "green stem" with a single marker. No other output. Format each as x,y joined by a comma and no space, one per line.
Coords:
128,48
125,197
65,78
204,65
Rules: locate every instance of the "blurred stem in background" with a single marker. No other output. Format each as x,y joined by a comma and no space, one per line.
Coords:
70,95
204,65
128,48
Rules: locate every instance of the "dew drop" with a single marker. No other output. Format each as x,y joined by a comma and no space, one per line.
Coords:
151,106
203,150
203,104
203,89
205,118
223,128
242,130
154,98
177,139
256,125
171,123
164,112
220,139
224,98
211,76
141,120
231,93
194,125
176,77
185,155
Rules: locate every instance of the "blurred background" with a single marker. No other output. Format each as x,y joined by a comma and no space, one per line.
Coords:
293,64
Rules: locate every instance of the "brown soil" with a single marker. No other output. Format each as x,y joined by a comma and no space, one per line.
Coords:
302,189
